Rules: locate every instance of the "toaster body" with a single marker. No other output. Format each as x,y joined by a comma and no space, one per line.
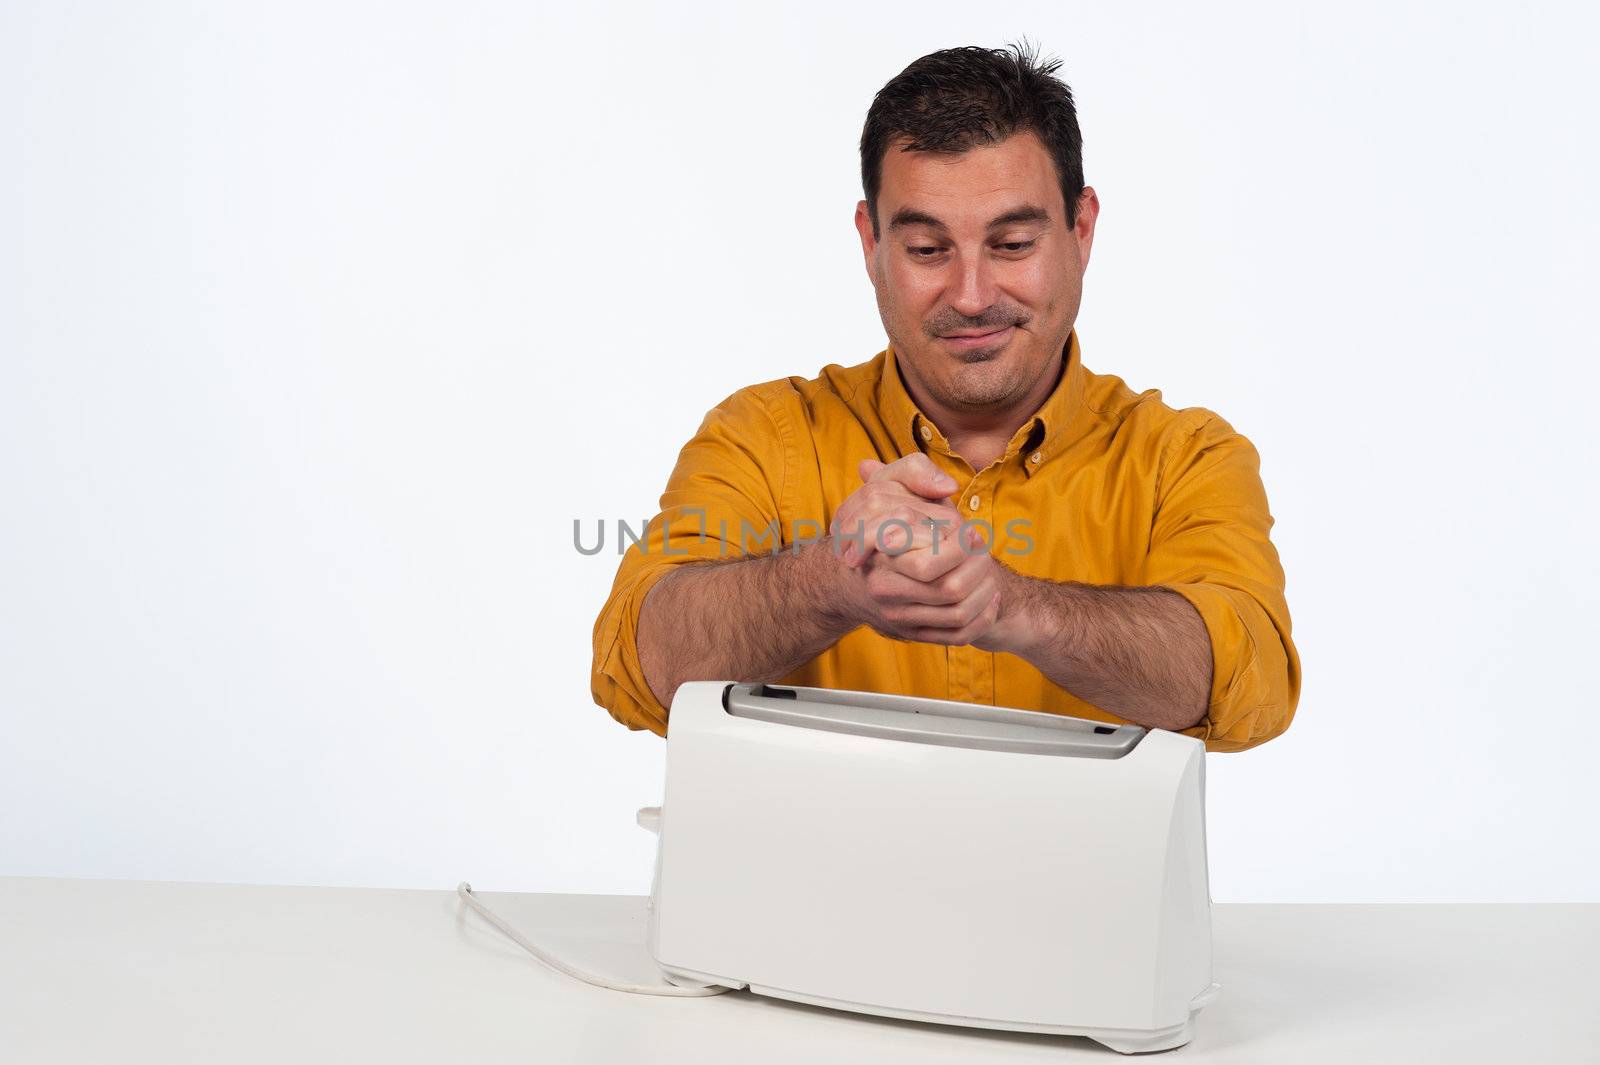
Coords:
936,861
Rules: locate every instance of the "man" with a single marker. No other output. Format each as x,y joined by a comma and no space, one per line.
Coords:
972,514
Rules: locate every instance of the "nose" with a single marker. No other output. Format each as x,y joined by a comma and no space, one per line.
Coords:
972,289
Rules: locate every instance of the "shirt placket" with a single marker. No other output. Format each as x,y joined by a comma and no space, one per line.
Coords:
972,669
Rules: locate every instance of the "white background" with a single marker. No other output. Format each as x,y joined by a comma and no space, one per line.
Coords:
323,322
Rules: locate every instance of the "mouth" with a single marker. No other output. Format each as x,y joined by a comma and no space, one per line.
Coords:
981,340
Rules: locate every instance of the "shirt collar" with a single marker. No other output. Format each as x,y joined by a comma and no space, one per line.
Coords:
1054,426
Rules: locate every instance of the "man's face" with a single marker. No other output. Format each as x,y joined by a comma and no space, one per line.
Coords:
977,243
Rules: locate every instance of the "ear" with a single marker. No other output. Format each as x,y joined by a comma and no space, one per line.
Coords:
1083,231
869,243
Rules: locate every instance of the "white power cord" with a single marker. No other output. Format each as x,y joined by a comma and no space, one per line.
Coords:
464,889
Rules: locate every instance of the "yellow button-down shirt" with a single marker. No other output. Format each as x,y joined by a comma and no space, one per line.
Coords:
1101,486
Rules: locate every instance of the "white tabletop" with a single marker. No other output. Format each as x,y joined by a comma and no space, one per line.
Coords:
136,971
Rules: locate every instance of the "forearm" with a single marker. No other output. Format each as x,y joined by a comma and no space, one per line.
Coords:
752,619
1141,653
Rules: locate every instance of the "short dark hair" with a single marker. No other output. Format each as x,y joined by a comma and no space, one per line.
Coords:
959,98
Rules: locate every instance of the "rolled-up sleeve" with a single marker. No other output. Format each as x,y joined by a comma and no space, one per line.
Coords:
1210,544
722,501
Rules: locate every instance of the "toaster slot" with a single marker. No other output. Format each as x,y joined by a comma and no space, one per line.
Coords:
937,721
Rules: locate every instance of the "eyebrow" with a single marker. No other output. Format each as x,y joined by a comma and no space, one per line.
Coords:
1025,214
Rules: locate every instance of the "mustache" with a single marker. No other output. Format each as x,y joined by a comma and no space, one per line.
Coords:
987,323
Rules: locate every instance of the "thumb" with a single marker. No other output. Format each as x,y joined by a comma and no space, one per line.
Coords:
917,473
930,482
868,467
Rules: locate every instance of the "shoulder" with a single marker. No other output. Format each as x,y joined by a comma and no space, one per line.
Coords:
1146,418
788,402
754,410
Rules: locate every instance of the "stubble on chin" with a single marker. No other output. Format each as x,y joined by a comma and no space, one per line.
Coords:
977,386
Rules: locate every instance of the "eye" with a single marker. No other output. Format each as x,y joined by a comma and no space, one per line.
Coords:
1017,245
923,251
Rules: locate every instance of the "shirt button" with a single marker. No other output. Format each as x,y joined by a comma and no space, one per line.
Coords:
973,502
1035,457
927,433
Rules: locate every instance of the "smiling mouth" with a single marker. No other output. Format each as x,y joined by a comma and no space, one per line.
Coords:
963,344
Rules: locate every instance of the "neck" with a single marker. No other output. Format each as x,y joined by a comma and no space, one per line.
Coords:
980,437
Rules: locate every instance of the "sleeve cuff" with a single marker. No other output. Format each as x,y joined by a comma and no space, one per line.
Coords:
618,682
1233,706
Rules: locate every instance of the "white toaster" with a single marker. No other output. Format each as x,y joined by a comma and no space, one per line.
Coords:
936,861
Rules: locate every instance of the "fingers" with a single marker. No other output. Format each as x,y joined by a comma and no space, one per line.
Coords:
955,609
952,616
954,624
916,472
868,518
966,578
912,482
923,574
958,546
908,490
906,528
890,588
973,630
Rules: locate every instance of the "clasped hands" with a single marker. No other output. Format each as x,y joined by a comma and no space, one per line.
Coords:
908,568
